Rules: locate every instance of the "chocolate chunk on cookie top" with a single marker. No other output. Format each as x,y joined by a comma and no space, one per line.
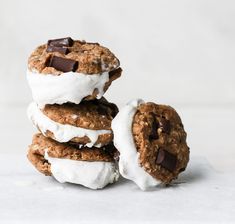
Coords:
92,57
93,168
63,64
66,70
152,143
62,50
88,123
61,42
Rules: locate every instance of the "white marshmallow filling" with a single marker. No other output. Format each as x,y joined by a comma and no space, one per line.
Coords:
67,87
129,166
94,175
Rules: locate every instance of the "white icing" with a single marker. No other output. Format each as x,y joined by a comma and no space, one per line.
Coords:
93,175
62,132
67,87
129,166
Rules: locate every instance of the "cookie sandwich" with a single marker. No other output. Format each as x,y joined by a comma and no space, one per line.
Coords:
91,167
87,123
152,144
68,79
66,70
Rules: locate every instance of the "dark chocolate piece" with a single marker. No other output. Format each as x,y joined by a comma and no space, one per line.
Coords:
165,125
153,134
94,43
63,64
63,50
114,110
114,72
112,151
102,110
66,42
105,103
166,160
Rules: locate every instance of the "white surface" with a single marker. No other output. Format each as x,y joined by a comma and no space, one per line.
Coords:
174,52
51,89
129,166
62,132
210,134
93,175
29,196
201,195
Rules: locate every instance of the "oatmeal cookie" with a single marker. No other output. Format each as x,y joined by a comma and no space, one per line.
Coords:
90,167
152,143
88,123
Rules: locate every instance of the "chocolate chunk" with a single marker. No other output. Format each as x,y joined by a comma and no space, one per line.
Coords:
166,160
112,151
94,43
102,110
154,126
114,110
110,106
63,50
165,125
67,42
63,64
114,72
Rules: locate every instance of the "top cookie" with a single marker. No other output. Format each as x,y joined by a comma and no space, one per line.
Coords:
64,70
75,55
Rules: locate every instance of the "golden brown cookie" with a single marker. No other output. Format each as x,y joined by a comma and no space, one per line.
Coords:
91,167
150,137
91,58
88,123
160,139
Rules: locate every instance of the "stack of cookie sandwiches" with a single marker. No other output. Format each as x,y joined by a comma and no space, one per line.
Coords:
79,127
68,79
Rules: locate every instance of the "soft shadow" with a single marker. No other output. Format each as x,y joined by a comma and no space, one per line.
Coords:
121,181
188,177
193,176
72,186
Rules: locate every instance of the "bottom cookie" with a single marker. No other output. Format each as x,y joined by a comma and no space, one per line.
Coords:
91,167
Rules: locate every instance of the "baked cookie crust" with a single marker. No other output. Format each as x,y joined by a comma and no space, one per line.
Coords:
158,132
94,115
92,58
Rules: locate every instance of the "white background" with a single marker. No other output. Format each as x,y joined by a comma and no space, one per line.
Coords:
173,52
179,52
